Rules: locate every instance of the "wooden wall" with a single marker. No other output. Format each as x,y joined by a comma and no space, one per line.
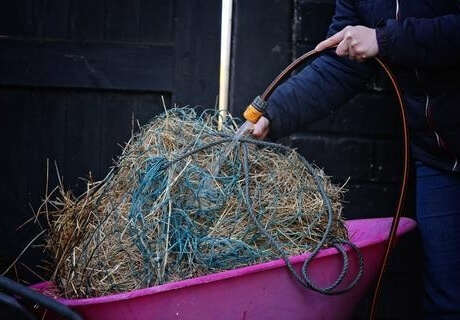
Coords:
76,78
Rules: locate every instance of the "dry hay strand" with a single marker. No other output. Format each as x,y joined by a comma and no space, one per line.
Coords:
161,216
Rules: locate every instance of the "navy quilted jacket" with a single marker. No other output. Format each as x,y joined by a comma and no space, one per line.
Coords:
420,41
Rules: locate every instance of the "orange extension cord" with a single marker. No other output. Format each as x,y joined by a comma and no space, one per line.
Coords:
402,194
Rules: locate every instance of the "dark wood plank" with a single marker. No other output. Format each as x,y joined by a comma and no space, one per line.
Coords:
197,56
52,19
116,125
17,18
122,22
87,20
82,139
14,132
30,135
86,65
45,140
122,115
156,21
150,105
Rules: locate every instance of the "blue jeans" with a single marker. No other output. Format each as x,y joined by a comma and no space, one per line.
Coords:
438,216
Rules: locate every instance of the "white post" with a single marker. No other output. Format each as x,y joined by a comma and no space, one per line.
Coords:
225,51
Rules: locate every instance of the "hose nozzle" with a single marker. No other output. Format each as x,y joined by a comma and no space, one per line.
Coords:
255,110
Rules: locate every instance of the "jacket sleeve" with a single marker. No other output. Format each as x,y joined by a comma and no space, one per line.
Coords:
326,83
421,42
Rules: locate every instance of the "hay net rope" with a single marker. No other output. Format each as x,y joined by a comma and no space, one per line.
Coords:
161,216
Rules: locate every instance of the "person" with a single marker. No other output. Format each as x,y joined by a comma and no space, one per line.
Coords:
420,42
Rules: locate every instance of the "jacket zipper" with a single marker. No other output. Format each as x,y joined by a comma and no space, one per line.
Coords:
429,119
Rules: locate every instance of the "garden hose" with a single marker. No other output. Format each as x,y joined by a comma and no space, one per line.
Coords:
256,109
15,289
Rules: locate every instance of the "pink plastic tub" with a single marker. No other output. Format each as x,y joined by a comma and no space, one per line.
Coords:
264,291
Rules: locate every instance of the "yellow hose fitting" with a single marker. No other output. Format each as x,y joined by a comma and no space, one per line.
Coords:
255,110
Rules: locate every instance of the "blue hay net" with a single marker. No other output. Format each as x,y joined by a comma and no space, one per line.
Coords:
161,215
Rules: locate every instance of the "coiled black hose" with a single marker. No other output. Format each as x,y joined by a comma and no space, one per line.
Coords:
18,290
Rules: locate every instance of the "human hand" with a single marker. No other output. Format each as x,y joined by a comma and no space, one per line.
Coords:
261,128
356,42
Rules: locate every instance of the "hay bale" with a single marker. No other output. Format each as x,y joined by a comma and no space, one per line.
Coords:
161,216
